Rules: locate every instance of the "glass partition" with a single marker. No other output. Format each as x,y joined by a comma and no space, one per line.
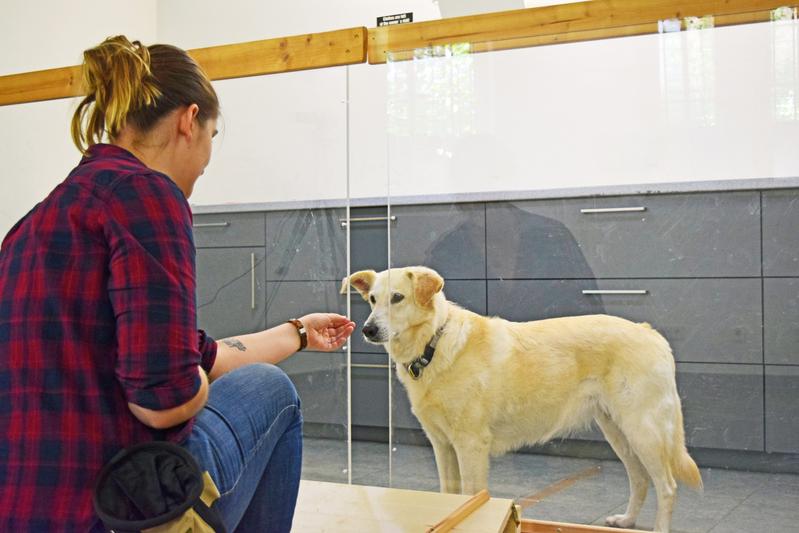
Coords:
644,177
280,249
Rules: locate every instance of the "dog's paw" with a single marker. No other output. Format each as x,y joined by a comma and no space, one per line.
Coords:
620,520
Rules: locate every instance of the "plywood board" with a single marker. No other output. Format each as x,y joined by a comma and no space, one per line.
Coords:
334,507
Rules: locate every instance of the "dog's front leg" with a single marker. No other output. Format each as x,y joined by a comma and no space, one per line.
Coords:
449,476
473,461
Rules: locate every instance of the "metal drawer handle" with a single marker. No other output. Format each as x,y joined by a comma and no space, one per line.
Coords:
611,210
252,280
343,221
211,225
608,291
367,365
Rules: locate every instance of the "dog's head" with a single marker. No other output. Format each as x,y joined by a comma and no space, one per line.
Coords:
401,298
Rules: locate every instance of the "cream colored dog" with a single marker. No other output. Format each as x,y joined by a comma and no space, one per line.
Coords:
491,386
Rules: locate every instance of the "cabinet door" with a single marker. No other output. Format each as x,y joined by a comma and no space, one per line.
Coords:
370,389
780,238
782,406
321,382
449,238
663,236
722,405
704,320
228,229
781,320
230,291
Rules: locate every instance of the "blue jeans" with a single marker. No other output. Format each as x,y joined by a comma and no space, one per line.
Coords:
249,439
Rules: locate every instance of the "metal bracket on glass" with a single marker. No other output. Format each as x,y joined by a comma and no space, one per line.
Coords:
782,14
700,23
612,210
669,26
368,365
343,221
615,291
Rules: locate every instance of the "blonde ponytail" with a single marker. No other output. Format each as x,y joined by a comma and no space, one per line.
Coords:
118,81
129,84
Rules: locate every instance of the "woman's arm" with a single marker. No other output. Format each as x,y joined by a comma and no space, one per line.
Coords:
326,332
167,418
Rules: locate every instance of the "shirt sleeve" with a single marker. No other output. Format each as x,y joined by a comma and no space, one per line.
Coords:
207,347
152,291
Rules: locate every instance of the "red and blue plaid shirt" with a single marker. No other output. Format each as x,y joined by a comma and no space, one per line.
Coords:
97,309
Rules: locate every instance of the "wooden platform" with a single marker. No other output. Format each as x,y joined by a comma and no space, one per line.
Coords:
338,508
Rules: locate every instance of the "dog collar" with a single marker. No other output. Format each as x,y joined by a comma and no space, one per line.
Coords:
417,366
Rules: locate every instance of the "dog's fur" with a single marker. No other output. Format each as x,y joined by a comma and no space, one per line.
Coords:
494,385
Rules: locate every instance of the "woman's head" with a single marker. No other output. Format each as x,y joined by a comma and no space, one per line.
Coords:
128,84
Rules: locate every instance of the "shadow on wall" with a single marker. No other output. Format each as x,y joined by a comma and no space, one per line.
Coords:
536,268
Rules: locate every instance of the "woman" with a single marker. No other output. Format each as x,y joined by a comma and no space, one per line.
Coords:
98,341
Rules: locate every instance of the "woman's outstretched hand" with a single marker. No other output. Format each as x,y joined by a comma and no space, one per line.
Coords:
327,331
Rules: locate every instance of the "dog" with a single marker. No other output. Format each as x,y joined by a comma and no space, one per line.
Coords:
484,386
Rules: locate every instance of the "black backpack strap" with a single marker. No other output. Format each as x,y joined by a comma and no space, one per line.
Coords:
210,516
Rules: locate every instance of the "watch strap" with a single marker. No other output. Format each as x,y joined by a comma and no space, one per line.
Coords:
301,332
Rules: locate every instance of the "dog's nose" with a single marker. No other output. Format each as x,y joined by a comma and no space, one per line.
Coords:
370,331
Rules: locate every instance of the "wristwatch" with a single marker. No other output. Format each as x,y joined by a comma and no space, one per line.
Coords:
301,331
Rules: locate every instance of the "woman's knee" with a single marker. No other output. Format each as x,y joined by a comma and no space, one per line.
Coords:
271,378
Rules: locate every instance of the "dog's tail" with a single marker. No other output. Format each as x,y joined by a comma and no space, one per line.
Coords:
682,464
685,470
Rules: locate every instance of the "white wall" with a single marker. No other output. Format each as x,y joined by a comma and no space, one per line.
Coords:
704,106
35,145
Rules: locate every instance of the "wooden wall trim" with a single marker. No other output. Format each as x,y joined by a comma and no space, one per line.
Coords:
597,19
256,58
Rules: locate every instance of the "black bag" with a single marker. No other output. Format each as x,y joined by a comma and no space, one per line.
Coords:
156,487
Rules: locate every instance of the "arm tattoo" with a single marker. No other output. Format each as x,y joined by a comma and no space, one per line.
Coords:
235,343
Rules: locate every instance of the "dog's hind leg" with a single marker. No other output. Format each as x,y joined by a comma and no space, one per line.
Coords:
636,473
652,448
449,476
473,460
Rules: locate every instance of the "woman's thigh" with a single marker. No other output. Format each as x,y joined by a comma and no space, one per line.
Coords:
248,411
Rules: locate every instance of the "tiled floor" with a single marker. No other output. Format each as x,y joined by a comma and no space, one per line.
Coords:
582,491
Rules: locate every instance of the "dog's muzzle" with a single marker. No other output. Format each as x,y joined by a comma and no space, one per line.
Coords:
371,332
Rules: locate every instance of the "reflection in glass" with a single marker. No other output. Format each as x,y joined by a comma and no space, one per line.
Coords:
785,61
687,75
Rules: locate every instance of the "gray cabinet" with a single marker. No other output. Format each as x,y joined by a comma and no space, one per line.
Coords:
321,382
722,405
228,230
449,238
782,408
781,320
780,235
726,299
704,320
687,235
230,291
305,244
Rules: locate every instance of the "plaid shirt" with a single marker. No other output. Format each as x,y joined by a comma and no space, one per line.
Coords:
97,309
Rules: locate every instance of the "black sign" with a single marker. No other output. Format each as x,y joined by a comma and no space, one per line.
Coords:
390,20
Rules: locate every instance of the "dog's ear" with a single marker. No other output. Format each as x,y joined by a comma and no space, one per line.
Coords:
362,281
426,283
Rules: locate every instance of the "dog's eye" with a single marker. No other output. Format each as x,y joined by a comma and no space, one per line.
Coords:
396,297
372,298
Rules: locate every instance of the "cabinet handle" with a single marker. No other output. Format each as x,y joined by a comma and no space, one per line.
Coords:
367,365
211,225
609,291
343,221
611,210
252,280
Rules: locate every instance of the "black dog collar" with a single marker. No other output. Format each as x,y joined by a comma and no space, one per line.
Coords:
417,366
